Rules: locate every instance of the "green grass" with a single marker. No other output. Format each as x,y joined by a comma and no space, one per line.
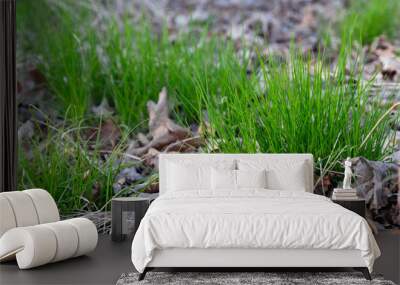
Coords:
279,107
74,169
368,19
128,64
141,62
52,31
292,110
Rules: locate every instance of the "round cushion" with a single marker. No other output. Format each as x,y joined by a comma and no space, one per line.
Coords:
66,238
23,208
7,218
87,235
26,208
40,244
45,205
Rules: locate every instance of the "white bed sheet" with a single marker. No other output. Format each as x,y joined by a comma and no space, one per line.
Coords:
252,218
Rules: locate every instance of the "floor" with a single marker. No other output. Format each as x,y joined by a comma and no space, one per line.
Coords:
103,266
111,259
389,263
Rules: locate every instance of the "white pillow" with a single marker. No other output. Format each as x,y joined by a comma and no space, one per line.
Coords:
226,179
182,177
185,174
281,174
251,178
223,179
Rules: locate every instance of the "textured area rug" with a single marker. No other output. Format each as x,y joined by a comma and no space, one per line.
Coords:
233,278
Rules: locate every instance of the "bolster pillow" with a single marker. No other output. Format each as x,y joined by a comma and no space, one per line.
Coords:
26,208
40,244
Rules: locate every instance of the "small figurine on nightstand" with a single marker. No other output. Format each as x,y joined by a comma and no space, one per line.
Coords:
346,192
347,174
347,196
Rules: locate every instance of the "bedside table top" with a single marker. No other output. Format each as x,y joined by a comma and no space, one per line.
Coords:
348,200
130,199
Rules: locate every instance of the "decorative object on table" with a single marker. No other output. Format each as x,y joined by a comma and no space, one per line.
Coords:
348,173
344,194
248,278
31,231
356,205
127,212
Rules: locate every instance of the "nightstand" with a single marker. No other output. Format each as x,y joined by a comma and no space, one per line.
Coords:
126,214
354,205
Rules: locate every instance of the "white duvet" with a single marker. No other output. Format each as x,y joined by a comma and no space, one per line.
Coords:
250,219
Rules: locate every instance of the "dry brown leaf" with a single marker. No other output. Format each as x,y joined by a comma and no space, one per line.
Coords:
108,134
142,138
186,145
151,158
377,181
162,129
382,57
153,188
37,76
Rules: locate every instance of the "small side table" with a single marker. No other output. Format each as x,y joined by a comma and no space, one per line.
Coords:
122,211
355,205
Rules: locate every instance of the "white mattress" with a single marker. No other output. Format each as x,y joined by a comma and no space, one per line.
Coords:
252,219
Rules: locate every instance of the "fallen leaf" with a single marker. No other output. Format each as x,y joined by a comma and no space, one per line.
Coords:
186,145
125,178
162,129
377,182
151,158
142,138
107,135
37,76
382,57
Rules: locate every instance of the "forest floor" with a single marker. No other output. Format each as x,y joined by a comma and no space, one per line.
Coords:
104,87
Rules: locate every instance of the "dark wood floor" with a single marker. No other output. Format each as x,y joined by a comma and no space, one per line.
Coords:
110,260
103,266
389,263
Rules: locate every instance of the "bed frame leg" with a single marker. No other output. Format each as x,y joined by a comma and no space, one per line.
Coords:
364,271
143,274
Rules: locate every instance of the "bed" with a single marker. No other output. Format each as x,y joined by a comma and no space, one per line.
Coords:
245,211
